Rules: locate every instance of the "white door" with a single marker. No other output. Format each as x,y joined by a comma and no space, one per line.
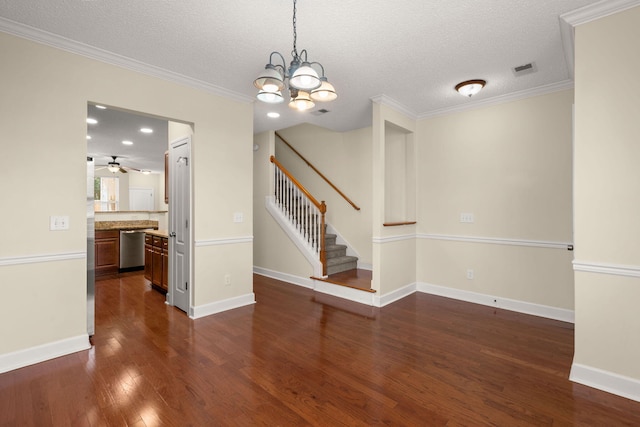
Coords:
179,223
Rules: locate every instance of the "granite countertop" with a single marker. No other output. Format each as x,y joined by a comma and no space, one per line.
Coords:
126,225
157,233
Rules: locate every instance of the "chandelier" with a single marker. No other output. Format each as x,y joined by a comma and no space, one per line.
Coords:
304,84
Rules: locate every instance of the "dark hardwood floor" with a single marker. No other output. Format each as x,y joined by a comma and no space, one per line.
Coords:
297,359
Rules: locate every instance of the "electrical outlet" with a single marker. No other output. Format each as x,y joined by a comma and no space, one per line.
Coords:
470,274
57,223
227,279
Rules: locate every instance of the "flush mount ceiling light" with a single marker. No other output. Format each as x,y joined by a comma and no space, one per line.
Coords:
91,121
470,87
304,83
146,130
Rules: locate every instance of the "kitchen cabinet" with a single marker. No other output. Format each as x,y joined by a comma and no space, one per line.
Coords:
156,262
107,252
148,256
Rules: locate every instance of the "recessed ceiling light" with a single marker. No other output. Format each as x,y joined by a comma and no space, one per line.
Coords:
125,142
146,130
102,107
145,172
88,136
91,121
273,115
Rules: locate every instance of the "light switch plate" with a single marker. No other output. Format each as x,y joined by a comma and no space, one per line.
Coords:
238,217
57,223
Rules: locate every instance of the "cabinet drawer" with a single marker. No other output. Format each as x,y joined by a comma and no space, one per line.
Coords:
148,240
157,241
165,244
107,234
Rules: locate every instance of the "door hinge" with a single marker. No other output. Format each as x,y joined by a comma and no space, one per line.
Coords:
186,286
186,223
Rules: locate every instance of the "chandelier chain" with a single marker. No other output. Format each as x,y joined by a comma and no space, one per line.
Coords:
294,53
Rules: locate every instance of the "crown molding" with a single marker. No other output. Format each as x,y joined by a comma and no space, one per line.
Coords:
523,94
44,37
395,105
569,20
597,10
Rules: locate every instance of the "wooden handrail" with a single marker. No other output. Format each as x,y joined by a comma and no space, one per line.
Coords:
320,205
356,207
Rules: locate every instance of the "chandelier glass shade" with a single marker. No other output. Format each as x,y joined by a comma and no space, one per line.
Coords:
304,80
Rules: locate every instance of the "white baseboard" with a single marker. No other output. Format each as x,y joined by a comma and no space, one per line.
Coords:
606,381
382,300
362,297
40,353
289,278
549,312
220,306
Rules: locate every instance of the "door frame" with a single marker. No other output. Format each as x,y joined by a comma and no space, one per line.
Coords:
172,210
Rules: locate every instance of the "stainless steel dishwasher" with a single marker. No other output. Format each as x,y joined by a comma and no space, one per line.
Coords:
131,250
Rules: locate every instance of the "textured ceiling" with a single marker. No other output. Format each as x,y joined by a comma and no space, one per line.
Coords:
413,52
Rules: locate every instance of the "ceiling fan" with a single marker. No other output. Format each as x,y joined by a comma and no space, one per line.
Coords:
114,167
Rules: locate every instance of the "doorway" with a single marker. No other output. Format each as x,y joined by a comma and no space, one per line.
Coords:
137,143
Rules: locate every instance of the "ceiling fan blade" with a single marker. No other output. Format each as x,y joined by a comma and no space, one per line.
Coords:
122,170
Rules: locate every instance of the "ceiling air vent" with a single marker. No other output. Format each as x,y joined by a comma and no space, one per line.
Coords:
320,112
521,70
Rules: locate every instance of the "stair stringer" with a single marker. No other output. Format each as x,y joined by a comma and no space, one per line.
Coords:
289,229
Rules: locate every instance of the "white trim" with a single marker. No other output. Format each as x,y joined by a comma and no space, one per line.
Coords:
91,52
361,297
289,278
30,356
514,96
390,239
220,306
394,105
602,268
546,311
569,20
34,259
227,241
498,241
344,292
398,294
597,10
607,381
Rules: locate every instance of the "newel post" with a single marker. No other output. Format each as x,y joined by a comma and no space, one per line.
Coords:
323,253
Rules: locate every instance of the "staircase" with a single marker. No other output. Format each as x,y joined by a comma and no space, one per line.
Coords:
299,212
336,256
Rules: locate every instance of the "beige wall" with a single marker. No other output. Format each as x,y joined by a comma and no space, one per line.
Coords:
607,184
510,166
42,114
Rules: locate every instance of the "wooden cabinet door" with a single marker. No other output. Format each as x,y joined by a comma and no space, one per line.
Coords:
107,252
156,271
148,261
165,264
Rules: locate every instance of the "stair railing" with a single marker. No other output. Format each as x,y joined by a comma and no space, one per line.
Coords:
302,210
356,207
